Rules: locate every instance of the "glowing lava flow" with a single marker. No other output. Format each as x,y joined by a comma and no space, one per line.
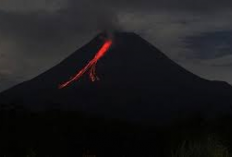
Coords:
91,66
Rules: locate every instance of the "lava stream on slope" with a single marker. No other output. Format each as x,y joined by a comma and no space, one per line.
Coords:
91,66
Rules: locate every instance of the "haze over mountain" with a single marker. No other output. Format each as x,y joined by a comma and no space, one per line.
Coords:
137,83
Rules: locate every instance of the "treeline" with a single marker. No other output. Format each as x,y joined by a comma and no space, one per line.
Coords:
57,133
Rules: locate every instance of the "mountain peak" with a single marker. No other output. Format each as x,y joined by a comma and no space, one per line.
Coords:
128,34
118,35
115,33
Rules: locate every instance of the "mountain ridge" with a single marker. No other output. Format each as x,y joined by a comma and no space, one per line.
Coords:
137,82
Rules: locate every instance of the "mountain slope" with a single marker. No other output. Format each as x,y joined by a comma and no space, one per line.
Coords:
137,82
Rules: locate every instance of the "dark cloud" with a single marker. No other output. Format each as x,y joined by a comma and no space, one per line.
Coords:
53,27
30,5
78,18
83,16
211,45
170,5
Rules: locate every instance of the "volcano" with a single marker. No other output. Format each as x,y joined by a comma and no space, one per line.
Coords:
137,83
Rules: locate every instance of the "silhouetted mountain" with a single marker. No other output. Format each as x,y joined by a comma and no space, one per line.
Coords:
137,83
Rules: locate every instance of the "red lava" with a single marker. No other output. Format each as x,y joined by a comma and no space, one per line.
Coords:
90,67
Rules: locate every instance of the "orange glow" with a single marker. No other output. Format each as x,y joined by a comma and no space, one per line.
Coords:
91,66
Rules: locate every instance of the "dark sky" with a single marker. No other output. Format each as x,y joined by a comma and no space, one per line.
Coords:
37,34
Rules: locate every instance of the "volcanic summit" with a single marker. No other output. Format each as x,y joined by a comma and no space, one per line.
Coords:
137,82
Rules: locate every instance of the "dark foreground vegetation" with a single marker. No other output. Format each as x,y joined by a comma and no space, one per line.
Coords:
56,133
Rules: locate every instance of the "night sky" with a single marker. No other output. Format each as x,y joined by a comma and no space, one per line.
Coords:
37,34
